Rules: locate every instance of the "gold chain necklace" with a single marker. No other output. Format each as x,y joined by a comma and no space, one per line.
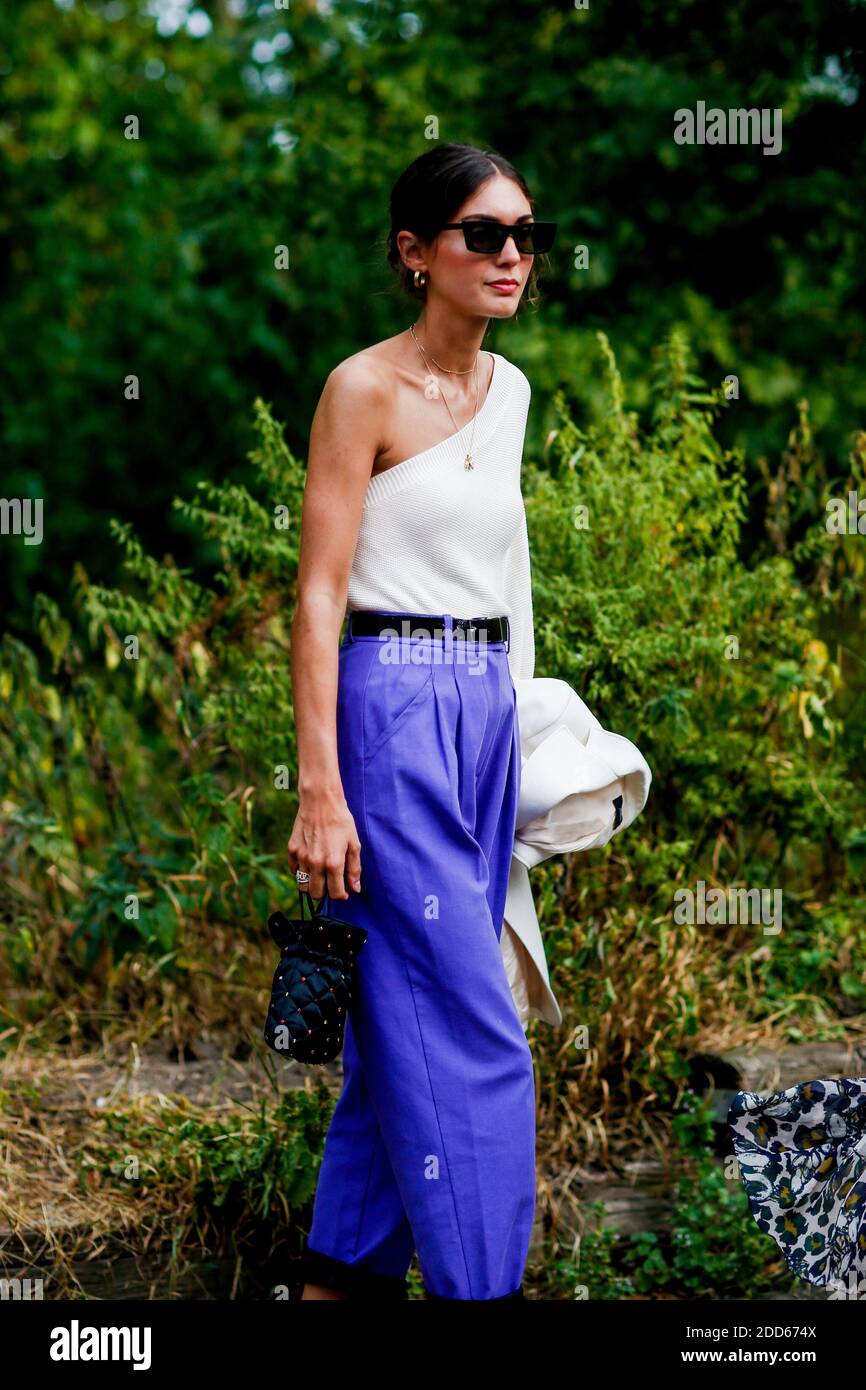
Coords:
452,371
467,462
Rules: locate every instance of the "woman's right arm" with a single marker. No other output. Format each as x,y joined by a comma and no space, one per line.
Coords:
345,438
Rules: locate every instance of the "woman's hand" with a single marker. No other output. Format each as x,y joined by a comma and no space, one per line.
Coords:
324,841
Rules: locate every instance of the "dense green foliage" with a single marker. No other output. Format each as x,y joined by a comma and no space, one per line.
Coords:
149,804
262,127
685,581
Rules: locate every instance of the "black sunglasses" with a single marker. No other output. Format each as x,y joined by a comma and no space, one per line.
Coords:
488,238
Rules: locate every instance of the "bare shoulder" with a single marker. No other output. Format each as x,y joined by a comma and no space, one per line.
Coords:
352,419
364,379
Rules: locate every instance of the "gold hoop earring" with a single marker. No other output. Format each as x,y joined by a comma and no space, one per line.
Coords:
420,279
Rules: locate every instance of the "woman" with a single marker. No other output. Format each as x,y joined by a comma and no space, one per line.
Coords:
409,755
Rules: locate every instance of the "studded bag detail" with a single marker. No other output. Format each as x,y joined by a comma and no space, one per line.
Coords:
313,983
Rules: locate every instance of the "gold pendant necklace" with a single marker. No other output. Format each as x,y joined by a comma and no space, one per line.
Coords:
467,461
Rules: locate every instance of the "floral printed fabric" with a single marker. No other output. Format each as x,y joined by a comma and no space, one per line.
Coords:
802,1157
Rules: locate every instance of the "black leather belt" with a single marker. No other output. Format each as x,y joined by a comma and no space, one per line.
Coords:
364,622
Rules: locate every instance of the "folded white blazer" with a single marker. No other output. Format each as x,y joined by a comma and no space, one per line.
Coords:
580,784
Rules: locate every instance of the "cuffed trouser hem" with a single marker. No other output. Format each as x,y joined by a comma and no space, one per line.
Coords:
438,1297
356,1280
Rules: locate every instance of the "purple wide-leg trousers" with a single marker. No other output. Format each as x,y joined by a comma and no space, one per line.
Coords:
431,1146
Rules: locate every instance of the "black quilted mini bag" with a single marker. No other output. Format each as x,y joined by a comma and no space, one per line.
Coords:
313,983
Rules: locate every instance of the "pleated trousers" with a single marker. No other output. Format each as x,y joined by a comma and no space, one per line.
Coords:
431,1146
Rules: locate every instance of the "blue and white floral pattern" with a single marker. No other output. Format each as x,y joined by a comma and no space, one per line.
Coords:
802,1158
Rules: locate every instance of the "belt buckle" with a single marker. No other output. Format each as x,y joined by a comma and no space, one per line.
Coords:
467,628
506,639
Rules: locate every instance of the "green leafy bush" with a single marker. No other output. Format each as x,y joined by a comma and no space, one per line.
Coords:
149,799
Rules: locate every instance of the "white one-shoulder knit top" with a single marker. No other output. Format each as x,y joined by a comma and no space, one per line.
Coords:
436,537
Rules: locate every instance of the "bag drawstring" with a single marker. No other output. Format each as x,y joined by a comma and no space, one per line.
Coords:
310,901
